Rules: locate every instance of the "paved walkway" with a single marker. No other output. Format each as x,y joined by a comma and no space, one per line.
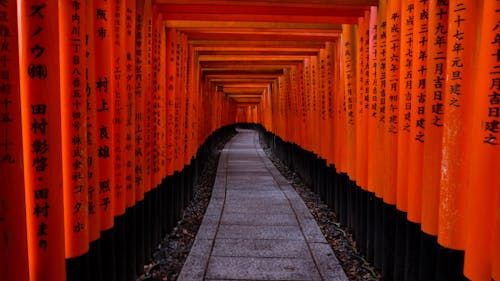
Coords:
256,226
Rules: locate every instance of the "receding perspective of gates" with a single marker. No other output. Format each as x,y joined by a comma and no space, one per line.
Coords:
390,109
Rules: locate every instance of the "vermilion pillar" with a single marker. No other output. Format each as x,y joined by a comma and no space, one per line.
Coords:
433,114
105,106
41,117
482,244
382,73
349,64
13,248
417,113
405,101
92,132
373,97
457,120
72,18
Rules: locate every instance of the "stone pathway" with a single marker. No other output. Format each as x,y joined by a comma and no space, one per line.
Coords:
256,226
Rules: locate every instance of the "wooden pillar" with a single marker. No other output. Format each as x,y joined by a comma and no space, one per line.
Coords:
436,74
373,98
41,117
349,63
458,102
405,101
13,248
72,18
482,244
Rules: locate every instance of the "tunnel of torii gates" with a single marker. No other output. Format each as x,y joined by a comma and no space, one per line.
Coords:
108,108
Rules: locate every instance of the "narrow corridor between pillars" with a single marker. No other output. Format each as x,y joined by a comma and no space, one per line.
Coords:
256,226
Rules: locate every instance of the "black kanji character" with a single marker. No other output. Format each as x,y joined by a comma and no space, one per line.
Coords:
38,71
40,163
40,146
37,51
42,244
36,10
104,187
41,210
103,152
77,207
38,109
41,194
42,230
103,133
78,227
105,202
39,126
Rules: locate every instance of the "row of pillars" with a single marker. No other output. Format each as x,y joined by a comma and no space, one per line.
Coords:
407,105
102,113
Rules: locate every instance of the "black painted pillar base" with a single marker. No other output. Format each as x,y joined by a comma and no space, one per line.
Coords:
120,246
412,253
78,268
428,254
108,255
95,260
400,246
378,250
450,265
389,233
140,232
131,248
370,226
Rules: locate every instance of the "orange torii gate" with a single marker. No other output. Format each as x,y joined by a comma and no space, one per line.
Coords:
389,109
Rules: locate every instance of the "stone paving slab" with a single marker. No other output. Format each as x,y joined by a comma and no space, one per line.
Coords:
260,232
258,219
259,248
262,268
256,226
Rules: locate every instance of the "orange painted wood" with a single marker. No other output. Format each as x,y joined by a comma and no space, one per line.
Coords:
155,105
142,88
418,98
436,75
92,131
192,93
74,127
170,103
481,251
323,81
393,57
13,248
349,63
382,81
362,102
179,109
41,118
105,107
405,102
132,19
120,85
360,121
341,113
373,96
262,18
330,94
459,98
186,140
162,53
148,64
221,10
